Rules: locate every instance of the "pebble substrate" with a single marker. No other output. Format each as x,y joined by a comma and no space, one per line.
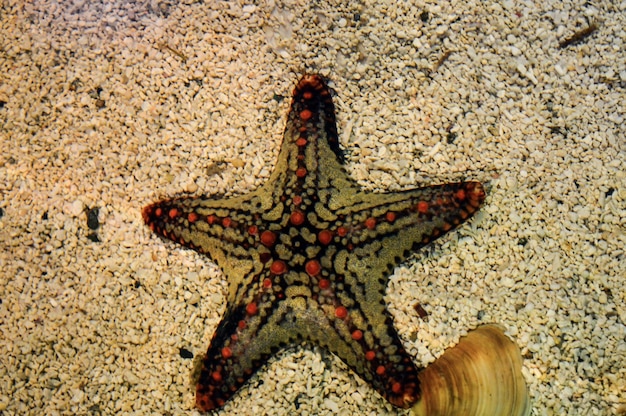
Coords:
112,105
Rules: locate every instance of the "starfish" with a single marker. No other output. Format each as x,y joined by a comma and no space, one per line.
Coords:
307,256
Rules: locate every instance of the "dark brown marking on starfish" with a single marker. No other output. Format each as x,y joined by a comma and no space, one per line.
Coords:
307,256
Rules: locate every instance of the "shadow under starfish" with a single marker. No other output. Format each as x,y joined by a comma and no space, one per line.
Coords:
307,256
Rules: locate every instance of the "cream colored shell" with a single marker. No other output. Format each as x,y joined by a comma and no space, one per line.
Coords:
480,376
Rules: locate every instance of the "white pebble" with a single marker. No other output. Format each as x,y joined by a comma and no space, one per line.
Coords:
76,208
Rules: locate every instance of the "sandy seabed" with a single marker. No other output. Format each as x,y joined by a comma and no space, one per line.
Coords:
108,106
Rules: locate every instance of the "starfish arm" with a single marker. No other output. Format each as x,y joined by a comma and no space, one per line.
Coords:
387,228
384,229
310,157
228,231
232,358
373,351
247,337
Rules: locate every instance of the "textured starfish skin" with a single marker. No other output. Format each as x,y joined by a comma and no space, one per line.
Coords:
307,257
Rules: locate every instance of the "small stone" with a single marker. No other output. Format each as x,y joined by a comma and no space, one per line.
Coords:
76,208
185,353
331,405
92,218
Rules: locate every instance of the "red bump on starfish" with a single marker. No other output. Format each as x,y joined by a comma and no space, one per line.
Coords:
253,230
341,312
278,267
370,223
192,217
241,324
301,172
325,237
380,370
422,207
227,222
357,334
324,284
211,219
301,141
267,283
172,213
252,308
460,195
296,218
342,231
312,267
297,200
157,212
227,352
216,376
306,115
396,387
370,355
307,95
268,238
390,216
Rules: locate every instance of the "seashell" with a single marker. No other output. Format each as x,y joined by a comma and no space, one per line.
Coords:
481,375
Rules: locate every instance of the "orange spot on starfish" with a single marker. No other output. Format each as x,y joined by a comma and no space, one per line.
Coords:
370,223
301,172
357,334
422,207
296,218
370,355
227,352
324,284
268,238
312,267
306,115
325,237
341,312
192,217
278,267
252,308
396,387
